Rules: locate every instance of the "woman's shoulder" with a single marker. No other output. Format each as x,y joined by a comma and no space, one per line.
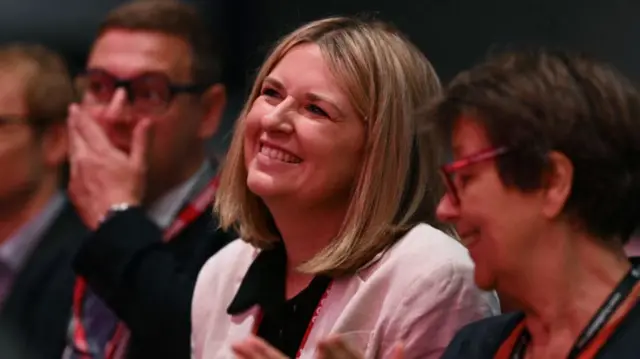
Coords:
219,278
435,266
431,263
481,339
426,247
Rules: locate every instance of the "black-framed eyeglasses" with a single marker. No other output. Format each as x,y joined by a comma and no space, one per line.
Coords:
449,171
148,92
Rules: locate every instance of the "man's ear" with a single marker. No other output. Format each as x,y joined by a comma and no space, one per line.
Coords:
54,143
558,182
214,101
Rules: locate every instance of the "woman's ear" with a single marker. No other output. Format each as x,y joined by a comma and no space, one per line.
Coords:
558,181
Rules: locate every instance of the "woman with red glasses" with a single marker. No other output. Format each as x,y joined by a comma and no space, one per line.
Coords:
544,192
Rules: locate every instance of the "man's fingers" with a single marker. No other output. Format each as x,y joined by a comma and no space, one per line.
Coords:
140,143
90,131
78,147
74,135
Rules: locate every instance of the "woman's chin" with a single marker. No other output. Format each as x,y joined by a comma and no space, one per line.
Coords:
264,187
483,279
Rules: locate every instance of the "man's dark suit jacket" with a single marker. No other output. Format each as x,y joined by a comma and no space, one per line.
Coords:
35,315
149,284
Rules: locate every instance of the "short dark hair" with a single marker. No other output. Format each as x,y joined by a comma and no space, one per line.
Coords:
48,89
176,19
535,101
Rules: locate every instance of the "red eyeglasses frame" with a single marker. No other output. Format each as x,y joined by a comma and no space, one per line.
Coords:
447,170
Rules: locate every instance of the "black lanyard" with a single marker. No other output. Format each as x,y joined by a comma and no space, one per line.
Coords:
598,321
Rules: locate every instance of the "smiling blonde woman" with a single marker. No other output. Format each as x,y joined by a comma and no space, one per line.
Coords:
332,189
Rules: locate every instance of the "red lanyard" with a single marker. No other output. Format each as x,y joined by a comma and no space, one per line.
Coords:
187,215
316,312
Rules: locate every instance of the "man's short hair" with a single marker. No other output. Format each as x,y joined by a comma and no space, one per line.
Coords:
48,89
171,18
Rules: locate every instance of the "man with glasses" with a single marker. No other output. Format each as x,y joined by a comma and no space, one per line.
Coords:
150,99
39,229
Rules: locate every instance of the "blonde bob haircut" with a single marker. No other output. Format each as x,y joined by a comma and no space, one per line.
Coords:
389,82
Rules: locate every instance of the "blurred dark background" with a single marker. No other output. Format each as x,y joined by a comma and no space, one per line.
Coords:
452,33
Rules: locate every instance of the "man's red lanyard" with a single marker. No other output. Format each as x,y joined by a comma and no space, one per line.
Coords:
187,215
260,314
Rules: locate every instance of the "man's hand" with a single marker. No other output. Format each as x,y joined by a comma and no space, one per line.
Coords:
256,348
102,175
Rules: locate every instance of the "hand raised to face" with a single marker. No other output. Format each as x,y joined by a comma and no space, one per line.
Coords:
102,175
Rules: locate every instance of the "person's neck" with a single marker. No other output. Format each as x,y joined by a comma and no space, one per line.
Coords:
157,188
305,232
564,288
20,208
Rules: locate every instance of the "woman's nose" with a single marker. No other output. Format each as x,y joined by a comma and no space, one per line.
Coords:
279,118
447,211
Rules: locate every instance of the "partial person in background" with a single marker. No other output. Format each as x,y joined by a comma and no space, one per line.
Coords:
39,229
544,192
333,189
142,182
